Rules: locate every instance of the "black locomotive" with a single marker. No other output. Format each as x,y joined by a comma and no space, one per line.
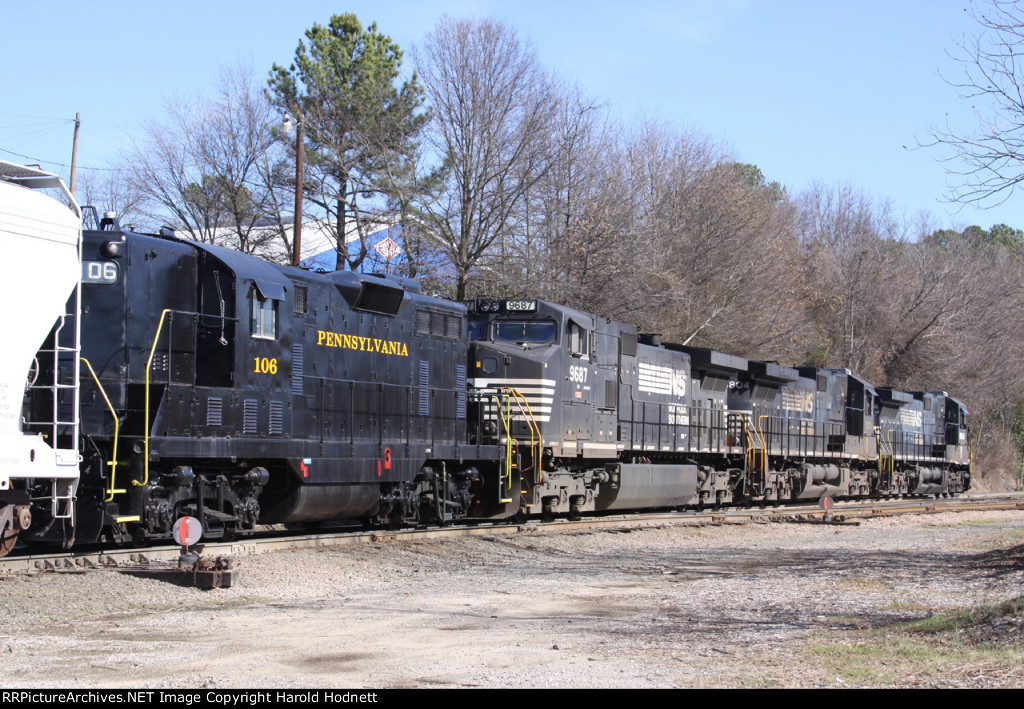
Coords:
222,387
617,419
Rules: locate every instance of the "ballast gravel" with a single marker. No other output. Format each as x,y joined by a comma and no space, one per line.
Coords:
727,605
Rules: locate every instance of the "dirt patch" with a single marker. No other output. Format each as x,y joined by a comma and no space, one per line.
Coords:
735,606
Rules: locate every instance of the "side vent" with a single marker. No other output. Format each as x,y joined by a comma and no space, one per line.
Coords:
460,386
439,324
422,322
298,368
379,298
424,388
301,306
214,411
250,408
453,327
276,418
611,394
627,342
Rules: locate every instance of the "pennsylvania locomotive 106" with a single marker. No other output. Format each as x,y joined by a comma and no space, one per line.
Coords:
208,383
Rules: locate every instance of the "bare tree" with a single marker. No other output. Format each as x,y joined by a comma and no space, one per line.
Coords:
552,253
212,168
672,234
901,311
851,276
491,105
989,162
111,191
972,352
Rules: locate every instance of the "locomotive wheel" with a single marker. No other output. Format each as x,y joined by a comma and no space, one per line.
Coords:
139,537
8,538
13,520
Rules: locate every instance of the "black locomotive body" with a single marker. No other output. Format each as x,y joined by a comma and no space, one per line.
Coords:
239,392
805,441
616,419
922,443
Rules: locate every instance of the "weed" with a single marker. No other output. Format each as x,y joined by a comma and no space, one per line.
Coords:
967,523
967,647
966,618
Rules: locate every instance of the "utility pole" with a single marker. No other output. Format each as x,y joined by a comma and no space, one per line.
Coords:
74,152
299,155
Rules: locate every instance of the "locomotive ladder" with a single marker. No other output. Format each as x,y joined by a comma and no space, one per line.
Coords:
757,457
112,463
62,491
886,458
506,397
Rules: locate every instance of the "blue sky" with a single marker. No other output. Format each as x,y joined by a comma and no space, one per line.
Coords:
837,92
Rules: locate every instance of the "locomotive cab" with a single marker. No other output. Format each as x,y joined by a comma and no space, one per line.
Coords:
159,336
512,344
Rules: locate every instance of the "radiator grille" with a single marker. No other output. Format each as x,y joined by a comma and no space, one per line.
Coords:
214,411
438,324
298,368
250,409
301,300
424,388
276,418
460,386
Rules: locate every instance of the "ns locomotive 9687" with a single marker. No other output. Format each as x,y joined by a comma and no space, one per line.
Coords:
215,385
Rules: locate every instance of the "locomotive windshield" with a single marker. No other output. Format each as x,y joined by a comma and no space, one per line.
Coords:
477,329
525,331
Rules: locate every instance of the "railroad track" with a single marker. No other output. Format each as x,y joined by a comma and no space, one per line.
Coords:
163,557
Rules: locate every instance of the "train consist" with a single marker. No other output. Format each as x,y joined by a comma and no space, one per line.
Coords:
210,384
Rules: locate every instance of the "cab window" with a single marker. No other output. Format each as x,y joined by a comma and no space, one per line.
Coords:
477,329
577,340
525,331
264,317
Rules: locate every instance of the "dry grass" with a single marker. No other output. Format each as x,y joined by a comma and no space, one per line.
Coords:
982,646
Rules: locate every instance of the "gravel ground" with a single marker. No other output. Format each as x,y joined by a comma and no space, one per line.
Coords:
682,606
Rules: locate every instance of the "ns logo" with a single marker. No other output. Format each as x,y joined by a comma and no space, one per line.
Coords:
678,383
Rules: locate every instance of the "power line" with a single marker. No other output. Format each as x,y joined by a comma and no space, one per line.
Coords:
60,164
39,118
44,125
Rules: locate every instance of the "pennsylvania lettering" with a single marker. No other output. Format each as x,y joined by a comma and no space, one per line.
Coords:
361,344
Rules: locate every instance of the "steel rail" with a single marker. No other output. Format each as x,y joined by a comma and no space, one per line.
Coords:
78,561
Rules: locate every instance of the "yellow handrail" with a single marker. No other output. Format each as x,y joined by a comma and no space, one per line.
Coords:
764,443
521,401
881,450
886,457
750,441
746,432
149,364
504,398
505,419
892,454
117,427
